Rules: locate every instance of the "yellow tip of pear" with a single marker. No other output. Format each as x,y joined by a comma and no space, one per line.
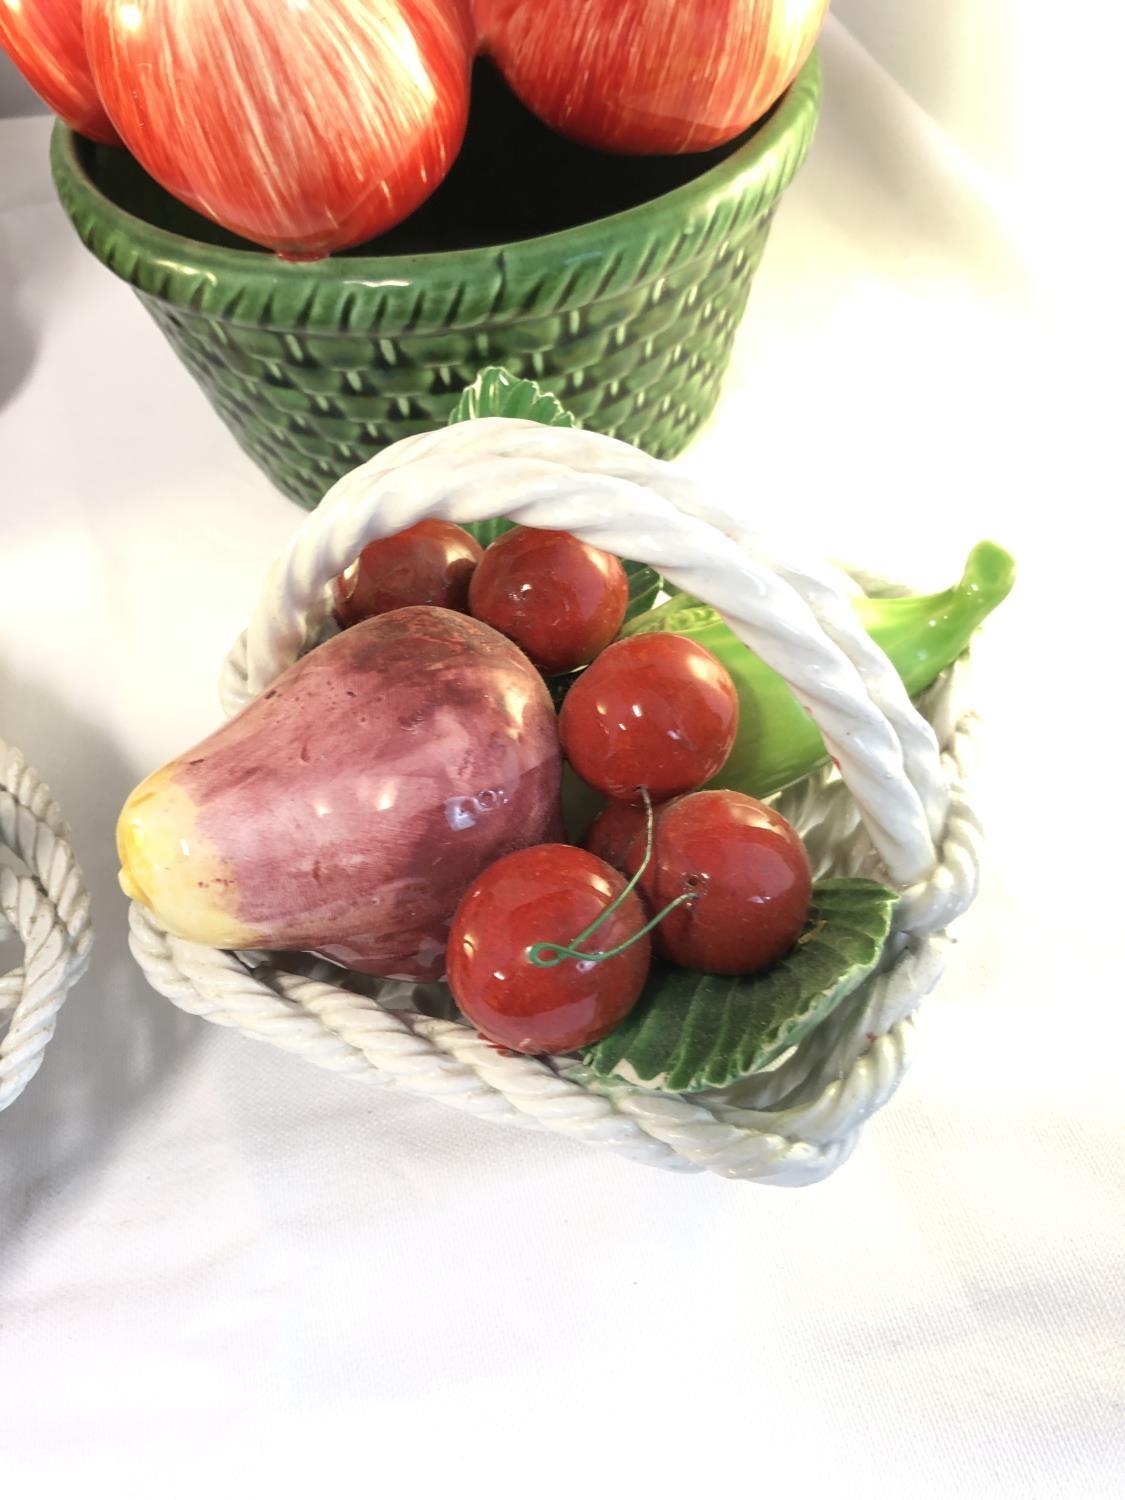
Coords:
167,866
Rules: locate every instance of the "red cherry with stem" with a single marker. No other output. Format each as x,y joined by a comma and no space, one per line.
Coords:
430,563
559,599
749,871
548,894
657,711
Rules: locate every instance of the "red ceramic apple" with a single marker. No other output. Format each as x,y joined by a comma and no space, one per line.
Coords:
649,76
307,126
44,39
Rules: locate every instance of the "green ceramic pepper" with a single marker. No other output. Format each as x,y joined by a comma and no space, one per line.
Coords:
777,742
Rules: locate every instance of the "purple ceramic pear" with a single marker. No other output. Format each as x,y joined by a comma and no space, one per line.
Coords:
347,808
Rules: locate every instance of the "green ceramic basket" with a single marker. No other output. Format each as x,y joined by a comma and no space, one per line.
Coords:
617,282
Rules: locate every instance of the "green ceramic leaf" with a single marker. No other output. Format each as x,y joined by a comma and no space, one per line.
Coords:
644,586
488,531
497,393
698,1031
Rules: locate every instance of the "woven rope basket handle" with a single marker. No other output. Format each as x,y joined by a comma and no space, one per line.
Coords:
617,498
792,1125
48,909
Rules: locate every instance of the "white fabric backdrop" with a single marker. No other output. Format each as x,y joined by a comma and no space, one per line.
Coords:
221,1268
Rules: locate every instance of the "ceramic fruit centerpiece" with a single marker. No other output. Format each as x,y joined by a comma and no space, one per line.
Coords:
339,212
651,844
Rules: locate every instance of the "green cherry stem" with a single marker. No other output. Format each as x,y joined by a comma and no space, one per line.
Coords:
559,952
550,955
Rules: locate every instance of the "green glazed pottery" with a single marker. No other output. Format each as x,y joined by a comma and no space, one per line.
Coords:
618,282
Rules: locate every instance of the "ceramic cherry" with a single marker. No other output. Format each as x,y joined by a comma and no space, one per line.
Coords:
657,711
748,871
548,894
559,599
613,832
430,563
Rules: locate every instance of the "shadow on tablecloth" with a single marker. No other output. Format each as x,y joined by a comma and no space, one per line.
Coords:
17,348
117,1043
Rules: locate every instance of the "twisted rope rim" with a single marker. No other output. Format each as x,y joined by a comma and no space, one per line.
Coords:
612,495
897,807
48,909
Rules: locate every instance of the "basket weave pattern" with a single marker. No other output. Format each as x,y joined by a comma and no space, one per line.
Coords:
629,319
896,810
46,906
644,363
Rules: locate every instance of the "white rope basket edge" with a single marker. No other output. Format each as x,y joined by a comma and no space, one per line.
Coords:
47,907
793,1124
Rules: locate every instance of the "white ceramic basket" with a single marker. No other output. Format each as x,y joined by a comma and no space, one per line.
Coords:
896,810
43,903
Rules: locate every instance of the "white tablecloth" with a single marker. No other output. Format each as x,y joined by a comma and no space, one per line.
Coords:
223,1271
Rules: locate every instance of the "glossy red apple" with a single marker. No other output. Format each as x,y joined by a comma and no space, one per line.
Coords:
307,126
44,39
649,77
